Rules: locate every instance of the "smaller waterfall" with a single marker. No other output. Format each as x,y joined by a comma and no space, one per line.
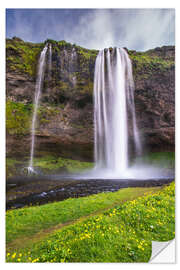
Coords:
50,62
39,81
72,69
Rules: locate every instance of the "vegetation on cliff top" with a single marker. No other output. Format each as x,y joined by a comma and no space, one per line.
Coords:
22,56
146,64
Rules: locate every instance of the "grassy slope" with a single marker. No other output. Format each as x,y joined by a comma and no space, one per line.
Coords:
122,233
30,220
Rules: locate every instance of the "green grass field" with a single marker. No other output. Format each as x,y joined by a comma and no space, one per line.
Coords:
107,227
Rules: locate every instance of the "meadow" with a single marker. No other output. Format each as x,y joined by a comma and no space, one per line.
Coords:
107,227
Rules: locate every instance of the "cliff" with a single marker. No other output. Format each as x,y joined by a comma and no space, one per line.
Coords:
66,111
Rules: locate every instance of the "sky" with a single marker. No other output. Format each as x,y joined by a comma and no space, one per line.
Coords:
135,29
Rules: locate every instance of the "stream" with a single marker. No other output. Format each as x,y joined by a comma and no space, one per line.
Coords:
38,190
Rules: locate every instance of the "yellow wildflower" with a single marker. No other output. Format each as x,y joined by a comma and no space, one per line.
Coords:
13,256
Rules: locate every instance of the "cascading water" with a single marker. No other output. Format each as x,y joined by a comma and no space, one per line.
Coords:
50,62
114,111
39,82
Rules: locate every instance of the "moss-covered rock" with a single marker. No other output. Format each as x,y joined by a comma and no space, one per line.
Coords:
146,64
22,56
18,118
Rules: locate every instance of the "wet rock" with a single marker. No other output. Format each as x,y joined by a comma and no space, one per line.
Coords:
69,189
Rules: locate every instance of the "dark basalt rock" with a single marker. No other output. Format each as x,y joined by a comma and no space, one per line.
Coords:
40,190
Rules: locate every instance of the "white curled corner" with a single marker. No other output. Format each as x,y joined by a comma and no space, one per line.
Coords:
163,252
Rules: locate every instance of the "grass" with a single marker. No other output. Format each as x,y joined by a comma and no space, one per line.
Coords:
161,159
30,220
51,163
122,233
47,164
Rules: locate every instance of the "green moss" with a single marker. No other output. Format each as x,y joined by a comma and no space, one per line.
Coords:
10,167
23,56
63,86
64,44
51,163
77,126
62,106
45,113
145,65
87,54
18,118
160,159
87,88
53,42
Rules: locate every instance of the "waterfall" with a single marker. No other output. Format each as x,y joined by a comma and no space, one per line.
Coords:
50,62
114,111
38,87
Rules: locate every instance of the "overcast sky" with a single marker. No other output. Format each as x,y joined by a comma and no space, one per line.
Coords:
137,29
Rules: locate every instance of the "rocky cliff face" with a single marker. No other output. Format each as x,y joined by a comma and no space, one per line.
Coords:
155,97
66,111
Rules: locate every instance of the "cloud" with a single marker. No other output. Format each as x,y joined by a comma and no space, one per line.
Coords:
134,29
138,29
94,30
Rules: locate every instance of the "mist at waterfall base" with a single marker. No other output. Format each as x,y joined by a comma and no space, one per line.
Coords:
114,120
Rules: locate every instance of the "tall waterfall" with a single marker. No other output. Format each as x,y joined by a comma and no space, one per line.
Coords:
114,111
39,82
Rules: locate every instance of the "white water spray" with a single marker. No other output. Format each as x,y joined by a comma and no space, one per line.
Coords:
39,81
114,111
